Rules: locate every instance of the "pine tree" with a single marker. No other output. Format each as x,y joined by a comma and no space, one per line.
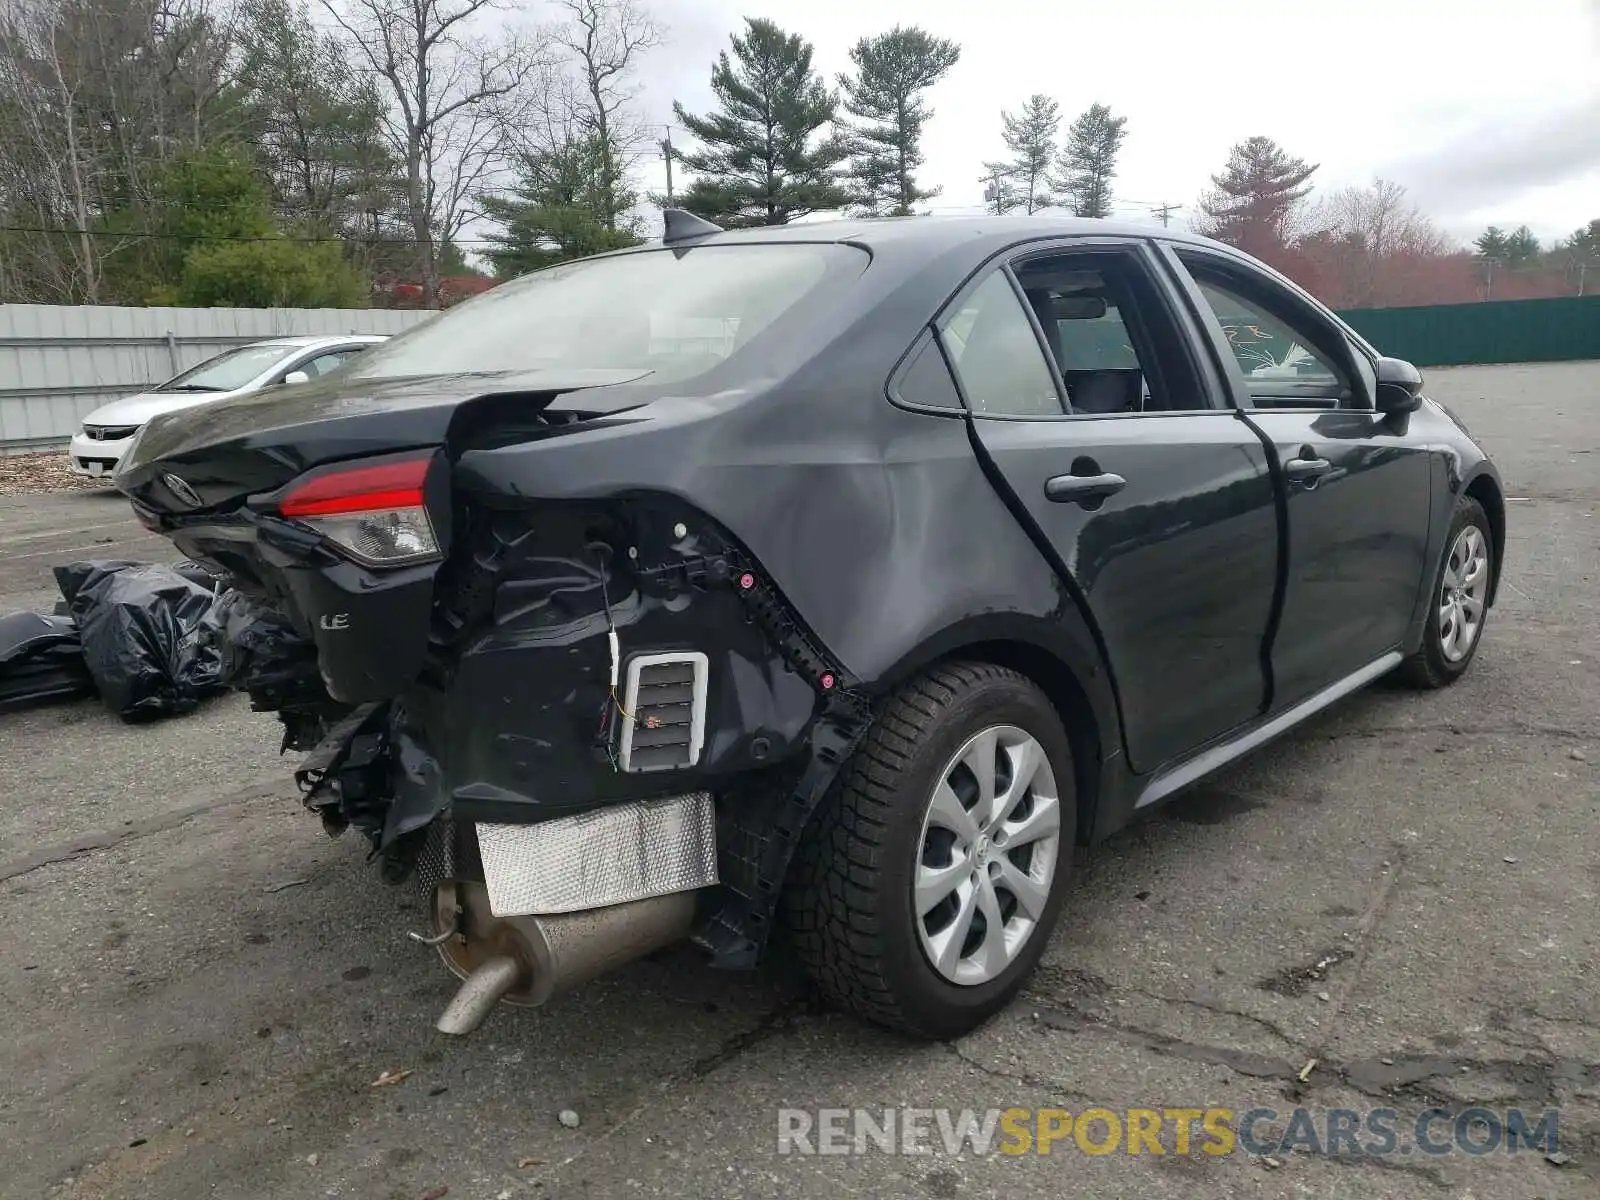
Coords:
1089,161
1579,256
1522,247
561,207
1491,243
1031,138
884,95
1585,242
1000,192
1255,199
761,160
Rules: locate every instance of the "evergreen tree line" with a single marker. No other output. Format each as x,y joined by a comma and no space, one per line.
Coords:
343,152
1371,247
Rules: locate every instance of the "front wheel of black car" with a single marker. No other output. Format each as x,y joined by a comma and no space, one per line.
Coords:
1459,603
926,888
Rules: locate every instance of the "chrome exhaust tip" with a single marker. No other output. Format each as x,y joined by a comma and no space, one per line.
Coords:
485,987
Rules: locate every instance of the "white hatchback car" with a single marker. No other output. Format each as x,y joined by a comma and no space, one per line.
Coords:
109,430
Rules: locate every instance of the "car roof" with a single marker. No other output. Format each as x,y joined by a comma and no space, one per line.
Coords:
302,341
941,231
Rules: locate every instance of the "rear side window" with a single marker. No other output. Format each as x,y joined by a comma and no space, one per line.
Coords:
1100,343
674,313
1111,333
996,354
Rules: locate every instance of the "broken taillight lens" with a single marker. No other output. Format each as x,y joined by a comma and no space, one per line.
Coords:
375,511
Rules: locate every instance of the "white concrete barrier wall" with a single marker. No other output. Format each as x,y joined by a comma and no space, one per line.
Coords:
59,362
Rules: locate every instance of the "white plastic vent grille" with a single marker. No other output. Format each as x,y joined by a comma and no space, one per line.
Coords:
665,694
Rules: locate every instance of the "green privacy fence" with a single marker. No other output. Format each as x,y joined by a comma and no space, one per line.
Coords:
1496,331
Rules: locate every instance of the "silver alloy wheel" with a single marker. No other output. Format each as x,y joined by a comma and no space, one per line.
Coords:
1462,593
987,856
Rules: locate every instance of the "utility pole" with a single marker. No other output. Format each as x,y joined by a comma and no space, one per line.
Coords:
991,192
666,151
1165,211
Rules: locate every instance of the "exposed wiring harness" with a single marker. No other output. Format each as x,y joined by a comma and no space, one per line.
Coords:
613,703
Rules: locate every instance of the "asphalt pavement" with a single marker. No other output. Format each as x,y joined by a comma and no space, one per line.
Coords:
1395,907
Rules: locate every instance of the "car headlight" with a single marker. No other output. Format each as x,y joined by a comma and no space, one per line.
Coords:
128,451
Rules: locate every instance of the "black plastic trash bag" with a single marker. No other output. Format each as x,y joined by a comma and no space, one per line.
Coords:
40,659
259,647
147,634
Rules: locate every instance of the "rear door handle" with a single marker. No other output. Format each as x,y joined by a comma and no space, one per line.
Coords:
1302,470
1076,489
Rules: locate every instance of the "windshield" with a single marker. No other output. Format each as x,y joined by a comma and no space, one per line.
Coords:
229,370
674,313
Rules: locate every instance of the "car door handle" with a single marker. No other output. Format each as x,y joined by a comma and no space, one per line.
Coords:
1075,489
1302,469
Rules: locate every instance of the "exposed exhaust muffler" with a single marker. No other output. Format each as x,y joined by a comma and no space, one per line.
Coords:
527,960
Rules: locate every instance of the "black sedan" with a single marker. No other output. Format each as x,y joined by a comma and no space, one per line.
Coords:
819,587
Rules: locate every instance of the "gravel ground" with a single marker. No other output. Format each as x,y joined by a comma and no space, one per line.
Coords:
47,472
200,990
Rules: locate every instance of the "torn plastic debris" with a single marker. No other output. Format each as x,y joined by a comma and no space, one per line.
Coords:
147,633
265,655
41,659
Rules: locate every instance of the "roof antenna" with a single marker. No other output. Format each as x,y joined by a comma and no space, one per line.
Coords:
681,226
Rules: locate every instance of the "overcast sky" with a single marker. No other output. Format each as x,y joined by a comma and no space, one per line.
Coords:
1487,112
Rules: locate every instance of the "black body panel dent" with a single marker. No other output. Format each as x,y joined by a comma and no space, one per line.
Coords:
521,642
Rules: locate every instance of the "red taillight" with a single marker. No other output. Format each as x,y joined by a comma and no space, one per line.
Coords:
375,511
358,489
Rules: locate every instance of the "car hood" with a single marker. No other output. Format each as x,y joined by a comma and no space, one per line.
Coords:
136,410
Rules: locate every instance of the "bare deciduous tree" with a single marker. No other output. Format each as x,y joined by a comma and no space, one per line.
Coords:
93,99
456,97
1364,237
49,172
608,37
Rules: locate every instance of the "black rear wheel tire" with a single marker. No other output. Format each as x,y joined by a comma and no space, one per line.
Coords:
849,899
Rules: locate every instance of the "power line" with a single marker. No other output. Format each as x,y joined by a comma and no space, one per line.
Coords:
229,237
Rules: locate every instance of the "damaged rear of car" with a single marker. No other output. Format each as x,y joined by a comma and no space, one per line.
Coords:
839,577
522,584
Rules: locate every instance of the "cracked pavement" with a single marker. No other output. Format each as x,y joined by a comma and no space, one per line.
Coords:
199,988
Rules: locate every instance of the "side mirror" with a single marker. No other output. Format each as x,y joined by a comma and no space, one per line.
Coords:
296,377
1399,387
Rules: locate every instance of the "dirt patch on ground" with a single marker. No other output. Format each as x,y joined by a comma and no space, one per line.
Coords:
46,472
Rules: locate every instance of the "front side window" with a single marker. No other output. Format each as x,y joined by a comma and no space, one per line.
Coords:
1277,350
673,313
322,364
227,371
996,354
